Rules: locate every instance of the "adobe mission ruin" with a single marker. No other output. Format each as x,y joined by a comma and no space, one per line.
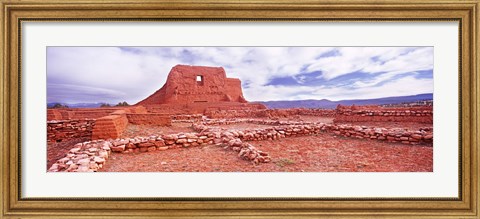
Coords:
197,84
210,102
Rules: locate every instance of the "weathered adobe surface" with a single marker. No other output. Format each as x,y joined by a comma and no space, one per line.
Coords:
108,126
60,130
85,157
149,119
183,87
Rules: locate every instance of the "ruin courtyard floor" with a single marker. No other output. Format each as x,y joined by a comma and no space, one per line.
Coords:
321,152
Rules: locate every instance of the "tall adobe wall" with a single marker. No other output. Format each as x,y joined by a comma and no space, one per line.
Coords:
197,84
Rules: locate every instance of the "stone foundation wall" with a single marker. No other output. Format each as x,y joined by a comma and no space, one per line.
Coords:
111,126
186,117
88,156
92,155
217,122
216,114
268,113
149,119
287,129
60,130
385,115
341,114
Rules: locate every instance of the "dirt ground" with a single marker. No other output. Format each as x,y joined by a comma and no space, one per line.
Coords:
320,153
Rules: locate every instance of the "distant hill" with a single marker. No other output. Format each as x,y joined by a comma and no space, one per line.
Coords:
78,105
324,103
328,104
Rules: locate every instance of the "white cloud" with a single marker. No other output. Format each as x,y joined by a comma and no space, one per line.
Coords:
373,60
401,87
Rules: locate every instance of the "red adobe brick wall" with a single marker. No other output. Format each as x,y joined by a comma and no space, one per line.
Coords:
111,126
149,119
182,87
78,113
53,114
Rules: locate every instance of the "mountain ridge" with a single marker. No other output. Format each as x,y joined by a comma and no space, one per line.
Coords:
308,103
328,104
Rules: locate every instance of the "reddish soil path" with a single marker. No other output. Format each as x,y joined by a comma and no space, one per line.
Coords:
320,153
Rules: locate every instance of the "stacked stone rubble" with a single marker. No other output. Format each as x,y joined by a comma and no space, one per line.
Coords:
380,114
267,113
76,159
62,130
88,156
282,129
187,118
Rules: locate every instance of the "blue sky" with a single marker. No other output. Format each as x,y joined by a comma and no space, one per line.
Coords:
114,74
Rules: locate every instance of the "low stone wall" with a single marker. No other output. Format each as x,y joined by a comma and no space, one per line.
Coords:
149,119
421,136
268,113
60,130
291,129
91,156
111,126
223,113
386,116
209,122
381,114
362,118
287,113
84,157
317,112
186,117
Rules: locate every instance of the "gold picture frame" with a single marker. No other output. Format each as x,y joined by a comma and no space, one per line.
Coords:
14,12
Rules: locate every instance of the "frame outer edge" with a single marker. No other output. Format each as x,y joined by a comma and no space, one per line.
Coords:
476,106
4,111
